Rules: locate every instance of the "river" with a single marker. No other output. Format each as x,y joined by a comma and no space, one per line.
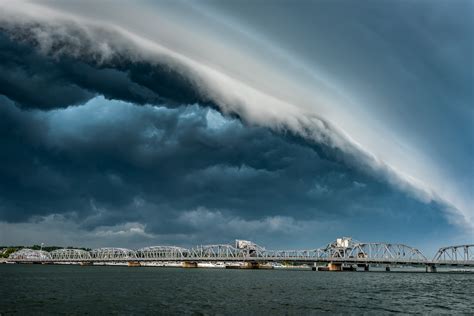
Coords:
47,289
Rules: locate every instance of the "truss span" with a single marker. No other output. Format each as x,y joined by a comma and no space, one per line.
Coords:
70,254
382,252
455,255
162,252
221,251
113,254
27,254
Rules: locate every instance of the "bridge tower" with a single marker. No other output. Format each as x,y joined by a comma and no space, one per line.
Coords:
339,248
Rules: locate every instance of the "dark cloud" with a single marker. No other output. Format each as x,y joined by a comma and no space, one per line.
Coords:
38,80
186,170
75,145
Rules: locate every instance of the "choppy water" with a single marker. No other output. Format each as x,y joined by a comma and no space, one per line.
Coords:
37,289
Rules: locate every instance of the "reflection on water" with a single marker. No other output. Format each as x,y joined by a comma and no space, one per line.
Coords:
33,289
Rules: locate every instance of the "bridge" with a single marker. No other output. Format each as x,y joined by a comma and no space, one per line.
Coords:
343,251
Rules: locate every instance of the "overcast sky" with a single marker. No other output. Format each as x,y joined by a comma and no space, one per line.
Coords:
287,123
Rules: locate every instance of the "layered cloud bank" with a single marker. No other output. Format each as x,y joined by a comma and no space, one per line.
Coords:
187,174
207,142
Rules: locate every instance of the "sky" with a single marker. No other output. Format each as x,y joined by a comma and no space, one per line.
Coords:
290,124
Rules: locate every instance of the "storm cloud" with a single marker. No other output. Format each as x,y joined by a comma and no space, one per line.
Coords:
119,137
187,171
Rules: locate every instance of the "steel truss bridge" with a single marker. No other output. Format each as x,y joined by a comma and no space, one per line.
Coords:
342,251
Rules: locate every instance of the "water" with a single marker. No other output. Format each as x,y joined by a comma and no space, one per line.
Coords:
72,290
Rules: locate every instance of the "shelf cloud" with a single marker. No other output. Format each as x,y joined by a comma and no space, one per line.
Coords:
77,88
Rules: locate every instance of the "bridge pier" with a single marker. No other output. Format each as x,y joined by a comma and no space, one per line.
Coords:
255,265
189,264
431,269
387,268
335,266
251,265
